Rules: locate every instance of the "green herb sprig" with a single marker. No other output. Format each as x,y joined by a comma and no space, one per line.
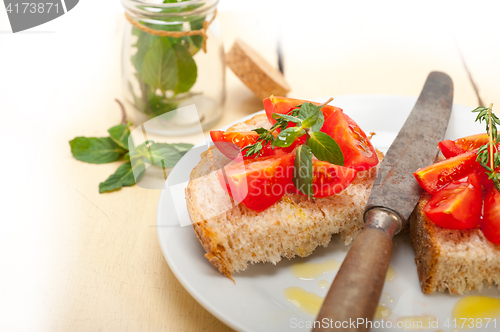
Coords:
101,150
309,120
487,154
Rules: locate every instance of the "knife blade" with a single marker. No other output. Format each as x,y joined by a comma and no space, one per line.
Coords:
354,294
414,147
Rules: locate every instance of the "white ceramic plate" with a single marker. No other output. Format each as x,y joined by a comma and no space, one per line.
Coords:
256,301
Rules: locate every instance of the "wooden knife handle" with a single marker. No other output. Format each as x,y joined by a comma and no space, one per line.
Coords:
355,292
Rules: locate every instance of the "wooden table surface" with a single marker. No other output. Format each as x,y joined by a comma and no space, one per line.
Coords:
75,260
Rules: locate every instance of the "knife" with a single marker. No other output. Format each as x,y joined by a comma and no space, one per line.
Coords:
354,294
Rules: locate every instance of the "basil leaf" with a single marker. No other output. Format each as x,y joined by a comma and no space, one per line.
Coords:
160,66
95,150
312,117
166,155
187,69
319,124
123,177
119,134
303,172
290,118
287,137
325,148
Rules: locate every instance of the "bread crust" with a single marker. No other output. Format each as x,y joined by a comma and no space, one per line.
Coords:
234,236
426,250
455,260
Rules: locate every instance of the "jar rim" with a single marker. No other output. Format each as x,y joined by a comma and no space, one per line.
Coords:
166,5
144,8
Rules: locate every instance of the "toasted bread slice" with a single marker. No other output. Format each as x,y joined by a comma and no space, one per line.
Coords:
457,260
234,236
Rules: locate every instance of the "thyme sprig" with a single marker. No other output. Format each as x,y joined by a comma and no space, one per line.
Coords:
488,155
268,136
308,118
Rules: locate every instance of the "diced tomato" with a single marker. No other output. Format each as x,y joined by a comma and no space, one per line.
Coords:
231,143
491,217
357,149
466,144
483,177
458,206
258,183
299,141
283,105
450,149
436,176
329,179
473,142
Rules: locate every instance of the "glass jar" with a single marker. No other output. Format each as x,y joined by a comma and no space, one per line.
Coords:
172,57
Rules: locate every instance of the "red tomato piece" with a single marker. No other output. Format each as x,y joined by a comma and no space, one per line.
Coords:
357,149
473,142
258,183
450,149
436,176
458,206
299,141
231,143
329,179
491,218
283,105
483,177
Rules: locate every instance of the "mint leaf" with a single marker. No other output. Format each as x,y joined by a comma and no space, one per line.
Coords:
319,123
305,110
182,147
287,137
136,32
144,42
194,43
303,173
261,130
325,148
123,177
290,118
157,105
166,155
160,66
119,134
169,66
96,150
187,69
312,117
